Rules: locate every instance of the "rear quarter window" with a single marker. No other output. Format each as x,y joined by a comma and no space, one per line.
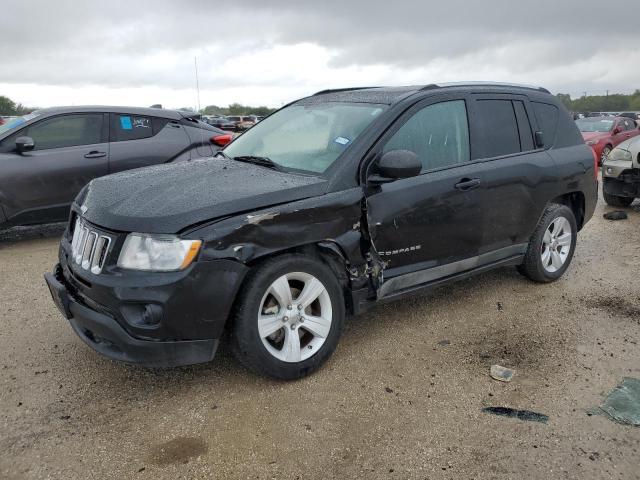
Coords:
130,127
557,125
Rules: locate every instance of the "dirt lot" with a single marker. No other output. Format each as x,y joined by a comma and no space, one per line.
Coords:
401,398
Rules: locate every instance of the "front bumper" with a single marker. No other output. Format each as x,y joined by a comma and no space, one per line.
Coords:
106,336
620,178
150,318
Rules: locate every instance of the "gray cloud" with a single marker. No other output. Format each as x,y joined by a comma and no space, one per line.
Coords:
568,44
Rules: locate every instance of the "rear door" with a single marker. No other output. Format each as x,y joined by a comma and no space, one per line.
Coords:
139,141
429,226
70,150
516,173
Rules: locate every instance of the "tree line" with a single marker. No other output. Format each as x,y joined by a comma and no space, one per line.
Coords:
9,107
616,102
237,109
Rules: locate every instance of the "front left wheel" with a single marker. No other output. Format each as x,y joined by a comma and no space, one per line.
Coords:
289,317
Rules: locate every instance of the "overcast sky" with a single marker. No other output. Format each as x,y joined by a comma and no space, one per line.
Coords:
270,52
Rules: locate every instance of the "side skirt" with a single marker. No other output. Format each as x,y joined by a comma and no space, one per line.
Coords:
430,285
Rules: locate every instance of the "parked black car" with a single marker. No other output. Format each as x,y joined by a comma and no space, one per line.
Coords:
632,115
335,202
46,157
221,122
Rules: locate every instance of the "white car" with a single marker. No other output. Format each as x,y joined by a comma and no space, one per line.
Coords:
621,174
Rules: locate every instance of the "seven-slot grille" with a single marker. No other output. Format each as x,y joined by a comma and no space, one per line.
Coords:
89,247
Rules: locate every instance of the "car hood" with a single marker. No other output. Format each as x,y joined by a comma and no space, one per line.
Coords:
169,198
632,145
594,135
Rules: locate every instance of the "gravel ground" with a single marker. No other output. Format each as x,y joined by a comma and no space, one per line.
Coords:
402,397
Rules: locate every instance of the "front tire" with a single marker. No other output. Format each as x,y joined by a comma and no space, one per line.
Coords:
617,201
288,318
551,246
605,153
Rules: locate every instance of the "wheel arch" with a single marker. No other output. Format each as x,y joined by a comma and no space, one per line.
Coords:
328,252
576,202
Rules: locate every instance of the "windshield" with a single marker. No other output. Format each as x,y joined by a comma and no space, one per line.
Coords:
308,138
16,122
594,125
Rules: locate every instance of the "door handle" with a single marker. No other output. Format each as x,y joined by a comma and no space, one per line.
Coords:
95,154
467,184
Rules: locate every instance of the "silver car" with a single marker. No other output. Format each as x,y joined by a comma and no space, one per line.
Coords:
621,174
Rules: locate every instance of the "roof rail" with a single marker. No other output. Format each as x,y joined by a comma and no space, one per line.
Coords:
483,84
337,90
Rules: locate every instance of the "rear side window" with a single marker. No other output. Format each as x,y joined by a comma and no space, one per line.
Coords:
630,125
130,127
547,116
438,134
499,130
66,131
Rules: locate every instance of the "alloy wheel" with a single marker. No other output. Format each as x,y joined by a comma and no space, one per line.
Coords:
295,316
556,244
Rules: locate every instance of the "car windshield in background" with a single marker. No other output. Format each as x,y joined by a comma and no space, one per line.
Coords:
308,138
16,122
594,125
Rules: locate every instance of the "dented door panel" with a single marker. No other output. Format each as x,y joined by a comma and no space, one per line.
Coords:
423,222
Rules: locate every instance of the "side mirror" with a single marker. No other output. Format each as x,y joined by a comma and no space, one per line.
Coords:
24,144
539,139
397,164
617,130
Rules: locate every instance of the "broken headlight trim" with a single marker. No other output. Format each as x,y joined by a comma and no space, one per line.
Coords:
157,253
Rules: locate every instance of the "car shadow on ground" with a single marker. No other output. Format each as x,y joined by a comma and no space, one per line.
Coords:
226,373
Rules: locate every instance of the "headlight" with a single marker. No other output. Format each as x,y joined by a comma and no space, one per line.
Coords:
620,154
160,253
591,143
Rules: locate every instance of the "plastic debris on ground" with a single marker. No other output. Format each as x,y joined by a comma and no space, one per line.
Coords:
615,215
524,415
502,374
623,403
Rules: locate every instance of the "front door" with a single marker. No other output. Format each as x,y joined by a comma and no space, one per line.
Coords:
39,185
429,226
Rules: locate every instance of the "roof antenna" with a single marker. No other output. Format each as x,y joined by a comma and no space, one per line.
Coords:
195,63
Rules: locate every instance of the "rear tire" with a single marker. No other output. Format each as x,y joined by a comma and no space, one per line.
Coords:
617,201
551,246
271,335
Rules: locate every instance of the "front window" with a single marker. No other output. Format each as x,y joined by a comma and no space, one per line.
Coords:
588,125
16,122
306,137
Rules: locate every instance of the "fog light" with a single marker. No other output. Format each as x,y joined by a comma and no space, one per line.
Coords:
142,315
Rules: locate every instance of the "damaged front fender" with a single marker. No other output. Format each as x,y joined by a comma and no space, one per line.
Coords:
331,219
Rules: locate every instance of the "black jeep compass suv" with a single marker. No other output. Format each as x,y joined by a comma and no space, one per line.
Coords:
336,201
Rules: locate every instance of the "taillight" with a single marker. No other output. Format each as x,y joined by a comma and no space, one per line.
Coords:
222,140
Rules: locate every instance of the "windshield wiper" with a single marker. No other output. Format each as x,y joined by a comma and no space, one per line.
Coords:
262,161
220,152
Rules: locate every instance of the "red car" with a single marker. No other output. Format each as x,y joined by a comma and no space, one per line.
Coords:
603,134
